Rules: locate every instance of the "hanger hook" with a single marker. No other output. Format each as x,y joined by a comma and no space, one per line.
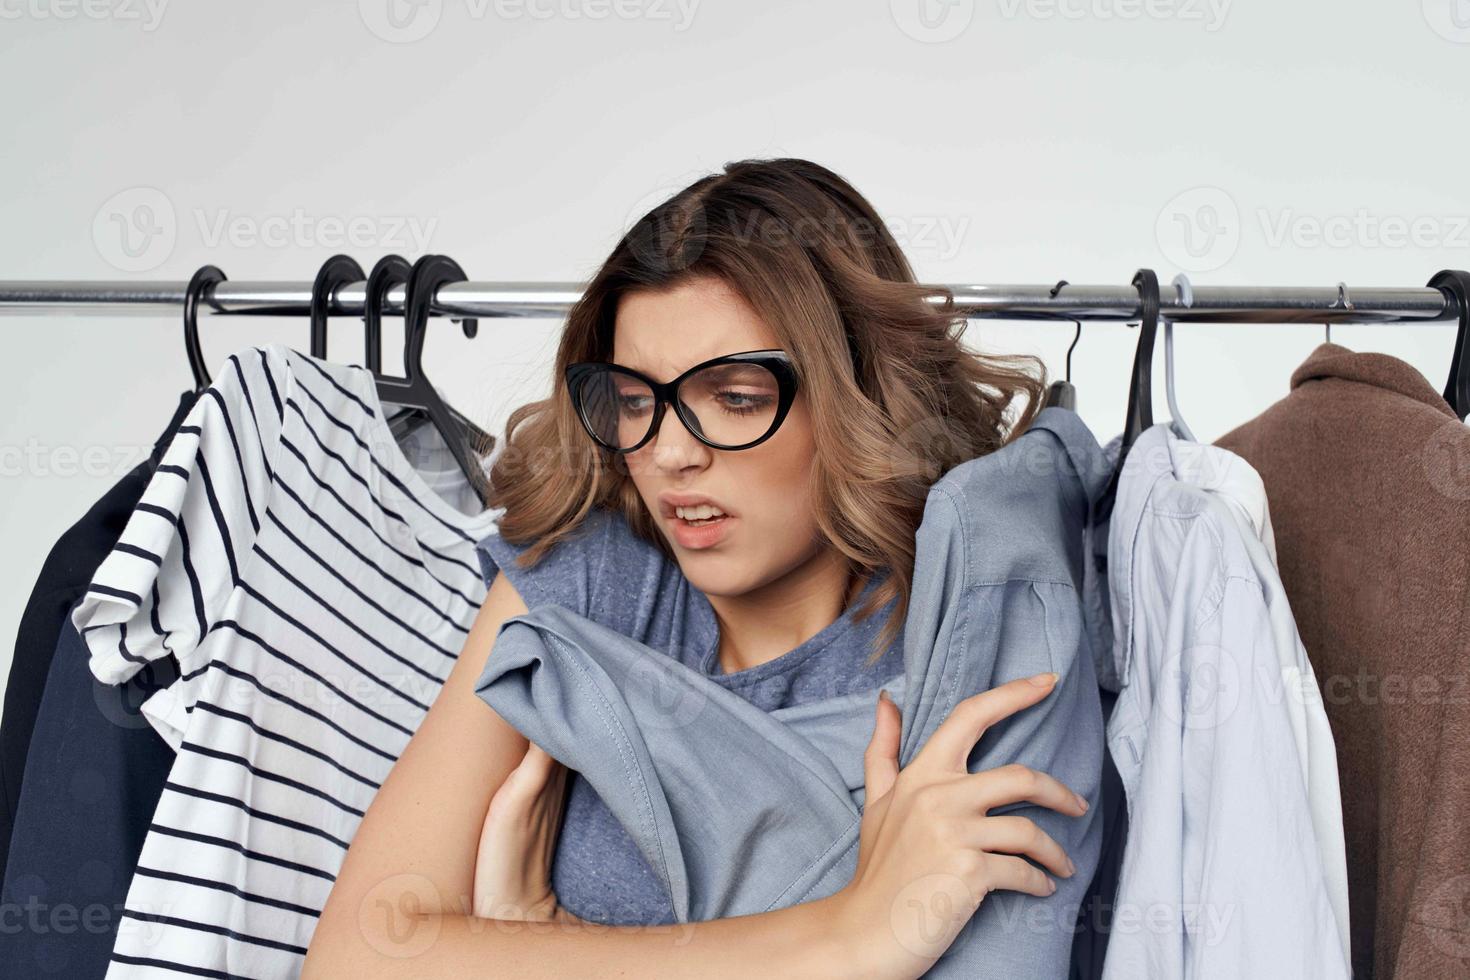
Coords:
1185,289
335,273
1343,302
389,271
1076,335
1455,284
206,278
1140,393
1140,384
427,276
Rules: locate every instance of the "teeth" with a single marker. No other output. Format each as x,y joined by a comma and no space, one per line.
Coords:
702,512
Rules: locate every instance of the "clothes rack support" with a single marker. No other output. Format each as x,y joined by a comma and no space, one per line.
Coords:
1209,304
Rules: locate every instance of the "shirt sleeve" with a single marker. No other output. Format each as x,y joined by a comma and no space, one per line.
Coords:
171,576
981,631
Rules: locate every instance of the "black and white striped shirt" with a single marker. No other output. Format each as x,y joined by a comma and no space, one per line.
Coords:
316,591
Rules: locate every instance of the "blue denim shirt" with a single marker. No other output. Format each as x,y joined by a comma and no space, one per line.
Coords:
739,810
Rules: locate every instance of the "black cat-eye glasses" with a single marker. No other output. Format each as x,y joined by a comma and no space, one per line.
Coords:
731,402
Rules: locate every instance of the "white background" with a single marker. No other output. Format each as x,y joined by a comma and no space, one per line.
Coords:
1281,142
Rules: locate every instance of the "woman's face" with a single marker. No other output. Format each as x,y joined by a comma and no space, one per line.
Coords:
769,529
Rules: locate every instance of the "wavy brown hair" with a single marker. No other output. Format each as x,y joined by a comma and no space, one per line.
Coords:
895,398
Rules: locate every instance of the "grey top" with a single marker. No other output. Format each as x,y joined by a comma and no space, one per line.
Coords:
613,577
736,809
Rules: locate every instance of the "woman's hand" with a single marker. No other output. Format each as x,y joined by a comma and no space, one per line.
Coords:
928,854
517,841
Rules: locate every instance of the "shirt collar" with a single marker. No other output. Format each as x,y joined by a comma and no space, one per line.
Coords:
1380,370
1224,474
1092,469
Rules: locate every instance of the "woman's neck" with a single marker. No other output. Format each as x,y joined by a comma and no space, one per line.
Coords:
765,623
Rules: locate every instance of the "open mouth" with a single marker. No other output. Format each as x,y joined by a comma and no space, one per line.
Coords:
701,523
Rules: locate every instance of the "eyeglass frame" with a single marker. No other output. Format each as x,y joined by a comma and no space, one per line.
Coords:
775,360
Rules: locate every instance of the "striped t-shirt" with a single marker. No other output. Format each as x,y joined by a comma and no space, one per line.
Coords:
316,590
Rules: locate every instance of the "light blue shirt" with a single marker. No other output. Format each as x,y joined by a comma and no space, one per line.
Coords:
739,810
1223,873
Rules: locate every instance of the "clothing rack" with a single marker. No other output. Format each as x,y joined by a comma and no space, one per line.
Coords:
1179,304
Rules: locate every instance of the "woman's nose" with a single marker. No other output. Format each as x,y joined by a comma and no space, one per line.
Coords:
674,446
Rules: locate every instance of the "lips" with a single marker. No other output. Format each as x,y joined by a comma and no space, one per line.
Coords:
669,500
694,537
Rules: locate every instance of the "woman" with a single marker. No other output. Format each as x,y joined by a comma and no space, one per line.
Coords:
782,489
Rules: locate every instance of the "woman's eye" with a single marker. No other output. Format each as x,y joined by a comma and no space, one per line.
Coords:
743,402
632,404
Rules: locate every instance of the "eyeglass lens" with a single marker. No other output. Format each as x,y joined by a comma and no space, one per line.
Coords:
731,404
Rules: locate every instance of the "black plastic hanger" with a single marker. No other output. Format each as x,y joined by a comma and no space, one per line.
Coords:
1140,383
1063,394
414,390
336,272
1457,389
207,277
390,271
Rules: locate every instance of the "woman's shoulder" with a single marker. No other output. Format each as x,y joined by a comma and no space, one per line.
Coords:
602,569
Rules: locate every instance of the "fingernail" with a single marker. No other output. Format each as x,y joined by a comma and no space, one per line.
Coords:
1080,800
1071,868
883,695
1051,885
1045,680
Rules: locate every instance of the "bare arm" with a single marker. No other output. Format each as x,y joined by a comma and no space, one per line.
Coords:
402,903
